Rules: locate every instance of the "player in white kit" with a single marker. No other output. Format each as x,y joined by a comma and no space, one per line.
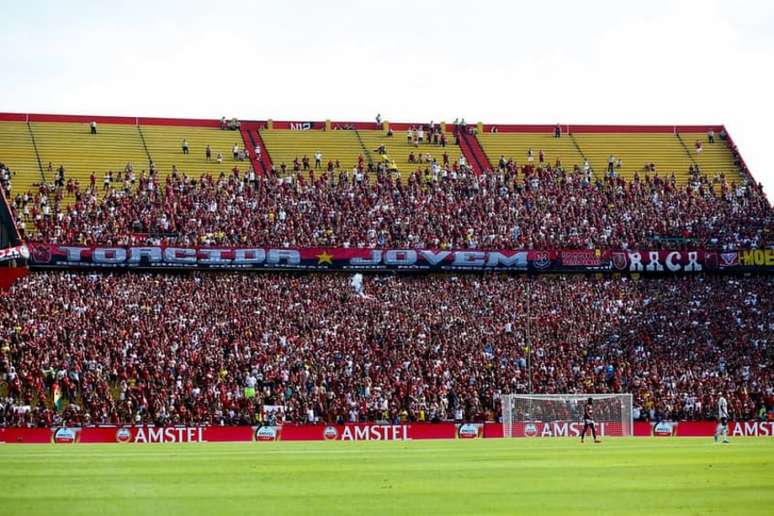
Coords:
722,428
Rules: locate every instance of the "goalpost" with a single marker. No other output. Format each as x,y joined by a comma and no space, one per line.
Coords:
555,415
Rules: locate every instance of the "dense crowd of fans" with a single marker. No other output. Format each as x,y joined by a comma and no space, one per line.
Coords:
217,348
511,207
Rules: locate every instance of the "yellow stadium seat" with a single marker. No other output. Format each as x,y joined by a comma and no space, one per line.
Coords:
398,149
81,153
115,145
715,158
285,145
18,153
517,145
165,147
636,150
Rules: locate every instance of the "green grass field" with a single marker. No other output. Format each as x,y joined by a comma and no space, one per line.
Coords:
516,476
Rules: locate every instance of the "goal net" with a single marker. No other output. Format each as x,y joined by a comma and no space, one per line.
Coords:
561,415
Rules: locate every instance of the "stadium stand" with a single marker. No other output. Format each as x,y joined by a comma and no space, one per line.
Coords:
67,141
165,147
410,348
400,150
81,153
493,210
286,146
18,152
352,144
516,145
213,348
714,158
636,151
445,207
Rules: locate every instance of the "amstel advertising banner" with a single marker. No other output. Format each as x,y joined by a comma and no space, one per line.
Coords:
641,429
368,432
359,432
347,259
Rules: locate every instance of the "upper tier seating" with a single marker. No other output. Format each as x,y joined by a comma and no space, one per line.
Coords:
635,150
517,145
113,147
18,153
398,149
81,153
714,158
165,147
285,145
73,146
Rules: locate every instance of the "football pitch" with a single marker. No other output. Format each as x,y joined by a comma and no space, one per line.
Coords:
497,476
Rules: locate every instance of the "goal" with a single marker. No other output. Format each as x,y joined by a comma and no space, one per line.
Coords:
561,415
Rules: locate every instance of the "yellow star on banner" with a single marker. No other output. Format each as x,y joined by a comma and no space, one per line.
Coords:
324,257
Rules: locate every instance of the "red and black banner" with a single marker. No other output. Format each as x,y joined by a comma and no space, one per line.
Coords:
19,252
348,259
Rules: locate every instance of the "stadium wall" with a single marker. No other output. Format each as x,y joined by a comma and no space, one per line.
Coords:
351,432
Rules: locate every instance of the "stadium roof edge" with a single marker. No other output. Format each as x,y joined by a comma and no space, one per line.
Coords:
205,122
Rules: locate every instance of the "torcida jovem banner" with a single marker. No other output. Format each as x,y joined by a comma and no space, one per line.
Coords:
348,259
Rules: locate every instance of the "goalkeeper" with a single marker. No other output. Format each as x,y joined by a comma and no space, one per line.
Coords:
588,421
